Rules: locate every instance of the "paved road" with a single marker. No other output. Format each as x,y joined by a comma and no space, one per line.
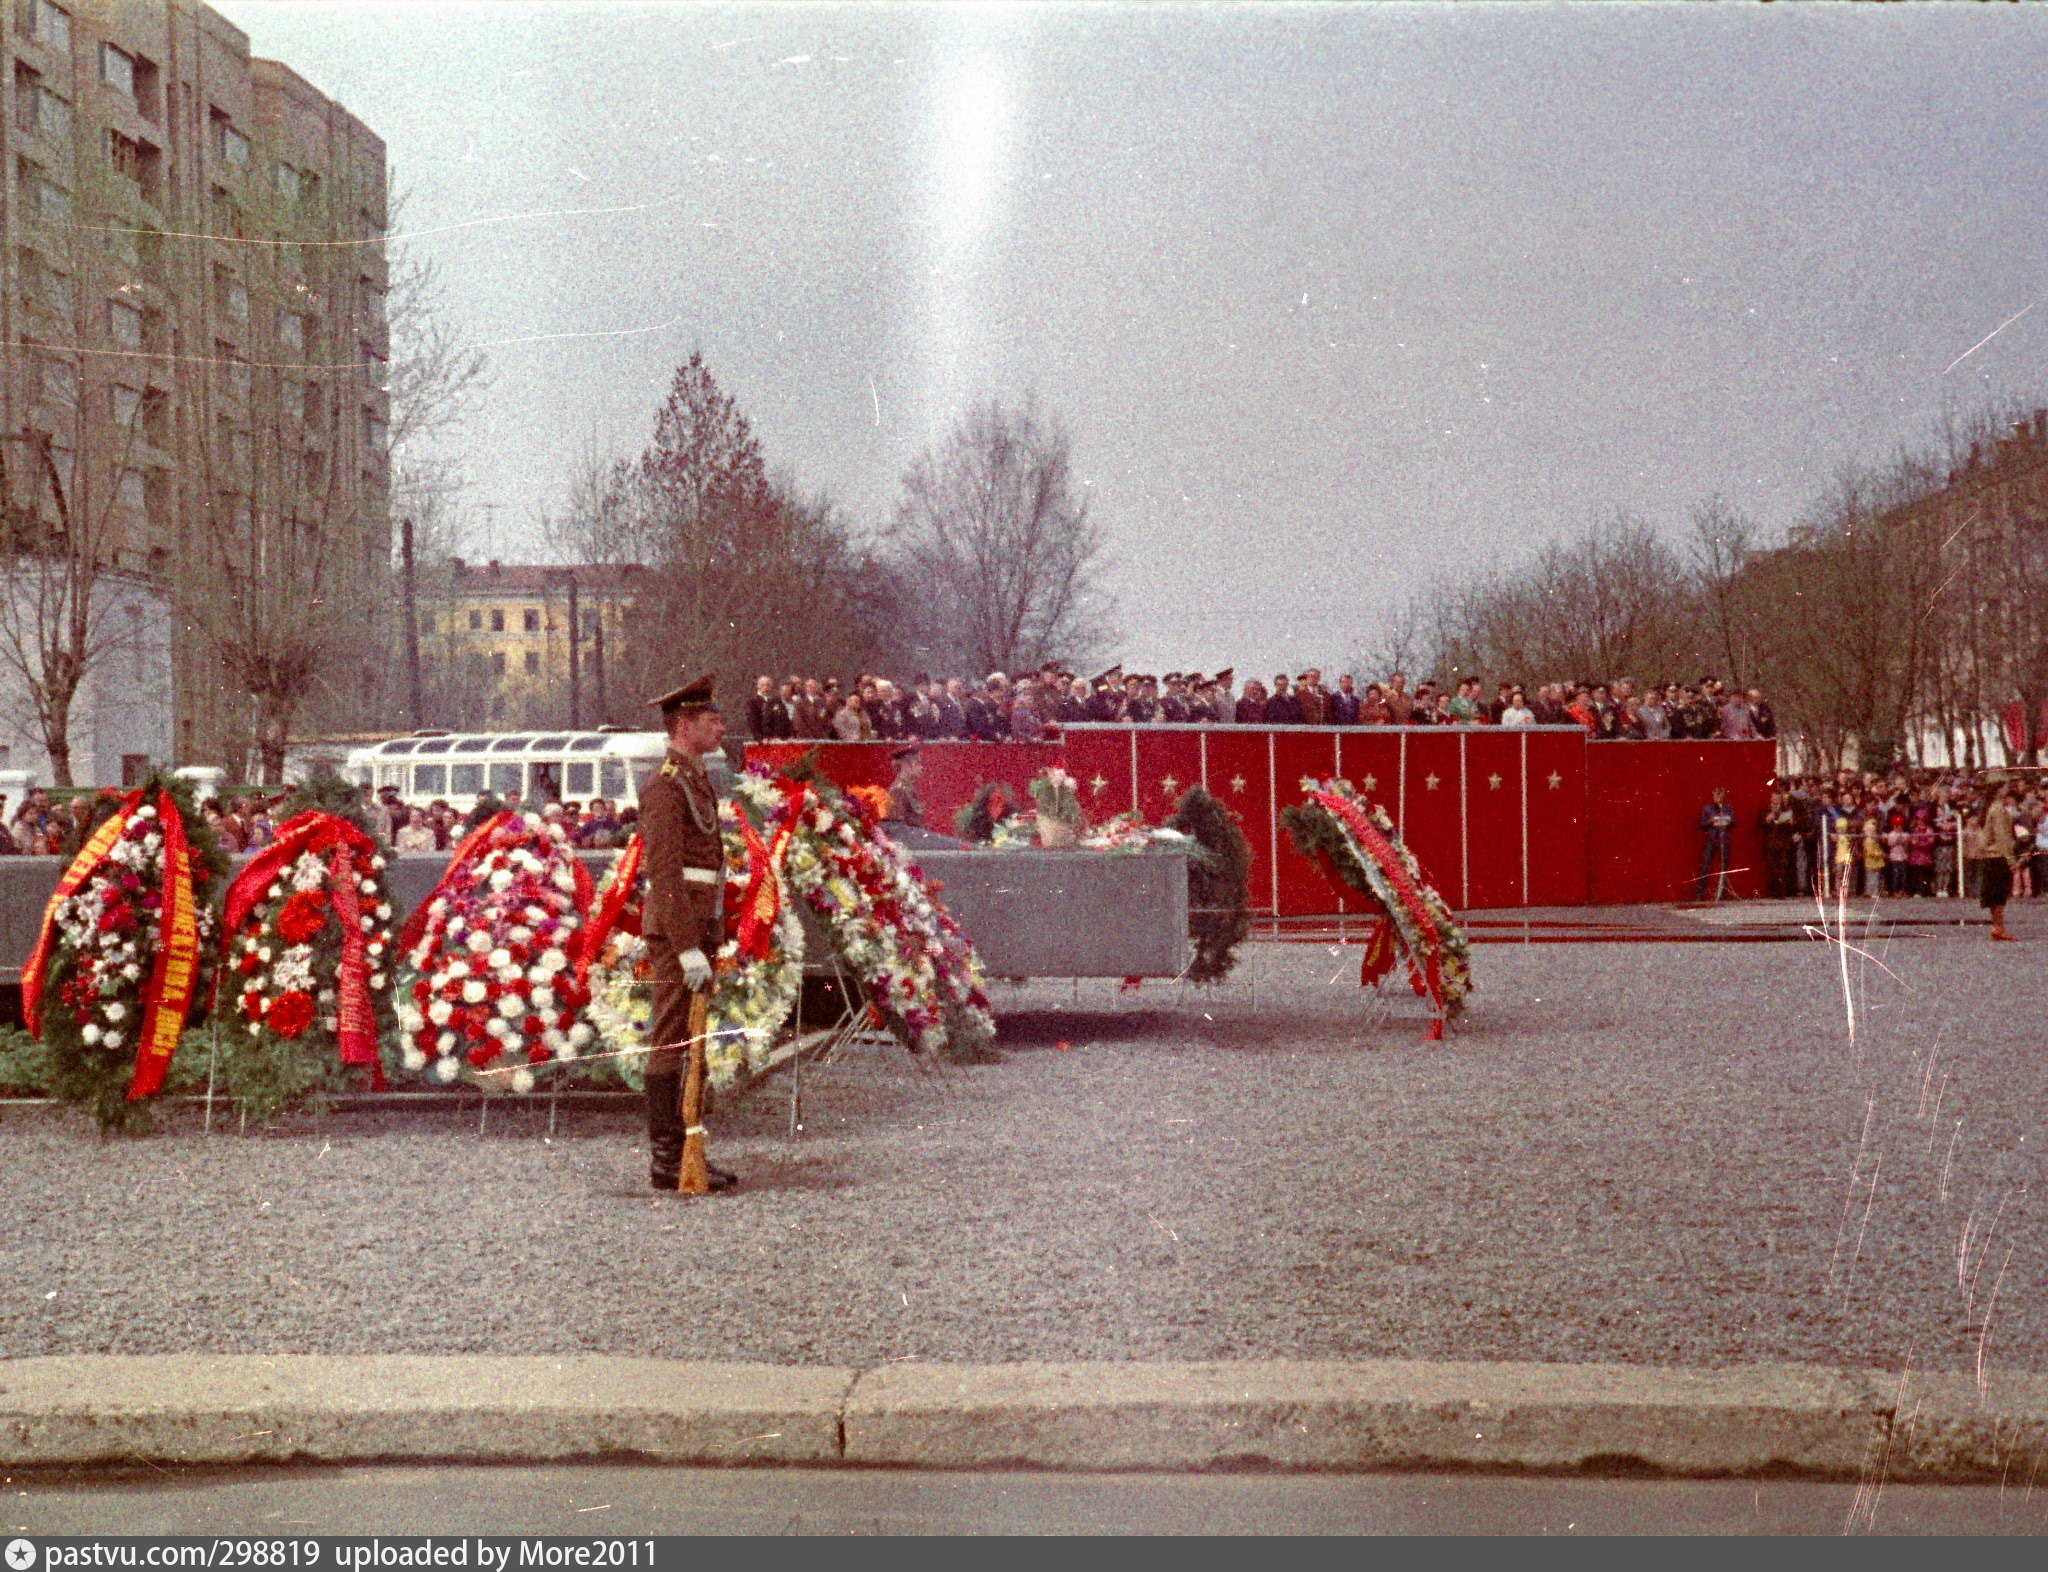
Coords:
636,1501
1657,1153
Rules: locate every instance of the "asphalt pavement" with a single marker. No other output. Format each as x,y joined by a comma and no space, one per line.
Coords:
393,1501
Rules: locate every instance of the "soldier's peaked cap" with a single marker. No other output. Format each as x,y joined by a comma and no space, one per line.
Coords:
693,696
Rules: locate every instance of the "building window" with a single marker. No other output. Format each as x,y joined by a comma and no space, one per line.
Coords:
312,470
234,370
124,324
229,145
156,416
124,406
530,620
297,185
137,161
497,663
426,622
291,331
309,403
590,624
533,663
231,295
60,381
46,23
476,622
497,622
36,108
117,69
129,492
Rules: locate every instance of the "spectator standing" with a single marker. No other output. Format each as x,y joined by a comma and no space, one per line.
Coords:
1026,725
8,848
1251,706
1313,702
1399,705
1717,830
1994,876
1761,716
1947,828
766,718
1283,708
1920,841
1517,712
851,723
1344,705
414,836
1778,830
1737,724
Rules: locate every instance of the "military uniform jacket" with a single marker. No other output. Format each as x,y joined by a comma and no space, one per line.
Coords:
684,859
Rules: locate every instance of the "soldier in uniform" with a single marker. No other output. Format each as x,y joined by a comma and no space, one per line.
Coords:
904,805
685,865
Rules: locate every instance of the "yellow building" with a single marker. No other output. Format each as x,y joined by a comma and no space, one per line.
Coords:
508,646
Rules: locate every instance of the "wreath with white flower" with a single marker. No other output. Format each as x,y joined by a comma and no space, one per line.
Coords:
312,956
918,970
492,991
122,950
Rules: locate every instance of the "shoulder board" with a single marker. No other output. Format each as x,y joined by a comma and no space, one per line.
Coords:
669,769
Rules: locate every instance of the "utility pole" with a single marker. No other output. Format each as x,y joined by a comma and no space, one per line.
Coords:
412,629
575,659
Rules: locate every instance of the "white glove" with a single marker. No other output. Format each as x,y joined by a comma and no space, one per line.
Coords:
696,970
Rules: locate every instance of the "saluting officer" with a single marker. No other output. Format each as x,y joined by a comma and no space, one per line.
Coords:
685,866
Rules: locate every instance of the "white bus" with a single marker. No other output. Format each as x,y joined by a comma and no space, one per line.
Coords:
542,766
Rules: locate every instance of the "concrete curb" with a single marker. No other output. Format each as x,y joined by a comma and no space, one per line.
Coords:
74,1411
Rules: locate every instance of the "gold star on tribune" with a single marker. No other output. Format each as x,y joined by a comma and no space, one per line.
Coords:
1371,781
1556,780
1169,785
1099,785
1429,782
1238,783
1493,781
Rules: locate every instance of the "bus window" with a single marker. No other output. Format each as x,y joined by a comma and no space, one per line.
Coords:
509,744
586,745
468,780
611,779
403,745
391,775
472,745
545,784
429,780
549,744
505,777
578,774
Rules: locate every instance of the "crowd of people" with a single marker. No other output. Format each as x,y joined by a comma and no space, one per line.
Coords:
1023,708
43,827
1912,832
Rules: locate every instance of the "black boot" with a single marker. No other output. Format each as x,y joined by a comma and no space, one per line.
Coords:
664,1130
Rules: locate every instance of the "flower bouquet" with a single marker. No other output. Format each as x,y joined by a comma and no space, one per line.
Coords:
493,989
117,963
1058,799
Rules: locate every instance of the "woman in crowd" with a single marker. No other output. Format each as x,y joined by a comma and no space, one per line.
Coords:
1920,852
2023,827
415,835
851,724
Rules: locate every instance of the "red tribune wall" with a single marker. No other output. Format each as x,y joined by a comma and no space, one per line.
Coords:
1644,840
953,771
1497,816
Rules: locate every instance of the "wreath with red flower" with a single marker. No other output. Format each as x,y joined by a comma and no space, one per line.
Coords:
492,990
310,945
123,949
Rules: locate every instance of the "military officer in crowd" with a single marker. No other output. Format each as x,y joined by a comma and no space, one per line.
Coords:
685,865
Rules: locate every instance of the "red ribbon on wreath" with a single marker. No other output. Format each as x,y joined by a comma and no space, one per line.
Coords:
625,881
175,975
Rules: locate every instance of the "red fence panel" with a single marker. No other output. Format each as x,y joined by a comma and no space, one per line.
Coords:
1497,816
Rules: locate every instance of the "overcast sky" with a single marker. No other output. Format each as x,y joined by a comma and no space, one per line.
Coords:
1332,299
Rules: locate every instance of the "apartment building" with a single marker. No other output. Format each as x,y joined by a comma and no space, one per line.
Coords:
194,392
506,645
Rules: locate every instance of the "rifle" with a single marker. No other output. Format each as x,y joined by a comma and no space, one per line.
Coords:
694,1178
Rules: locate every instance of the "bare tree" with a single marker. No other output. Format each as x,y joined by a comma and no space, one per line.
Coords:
1722,541
738,571
997,546
61,534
